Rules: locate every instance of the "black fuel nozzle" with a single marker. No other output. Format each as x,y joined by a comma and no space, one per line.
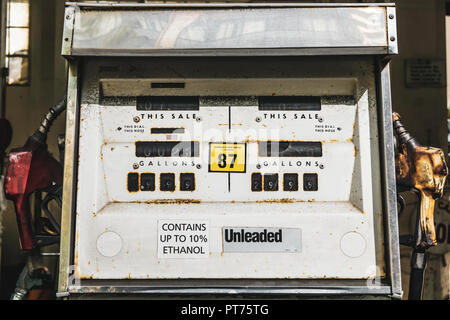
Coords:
40,135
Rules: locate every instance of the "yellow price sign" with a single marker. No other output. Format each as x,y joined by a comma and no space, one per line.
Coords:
227,157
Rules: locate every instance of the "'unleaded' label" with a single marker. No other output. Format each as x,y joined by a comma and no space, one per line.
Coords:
244,239
183,239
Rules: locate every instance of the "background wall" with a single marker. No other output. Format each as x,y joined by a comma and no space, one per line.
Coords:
421,28
26,106
421,35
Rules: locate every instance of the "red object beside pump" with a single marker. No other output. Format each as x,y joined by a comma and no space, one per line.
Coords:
30,168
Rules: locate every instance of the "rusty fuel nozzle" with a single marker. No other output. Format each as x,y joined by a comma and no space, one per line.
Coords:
424,169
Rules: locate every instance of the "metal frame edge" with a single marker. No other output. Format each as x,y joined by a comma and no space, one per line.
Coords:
388,178
67,40
391,22
70,165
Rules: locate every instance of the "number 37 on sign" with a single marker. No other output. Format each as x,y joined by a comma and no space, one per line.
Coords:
227,157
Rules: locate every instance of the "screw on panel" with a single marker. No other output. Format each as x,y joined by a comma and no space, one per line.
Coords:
198,119
392,38
258,119
321,166
258,166
320,119
198,166
136,119
135,165
391,16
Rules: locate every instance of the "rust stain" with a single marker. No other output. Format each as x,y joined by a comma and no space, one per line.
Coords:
75,259
283,200
164,201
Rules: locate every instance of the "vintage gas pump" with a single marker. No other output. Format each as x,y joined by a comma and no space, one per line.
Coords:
229,149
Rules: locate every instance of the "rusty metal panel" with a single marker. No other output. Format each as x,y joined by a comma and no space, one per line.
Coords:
341,217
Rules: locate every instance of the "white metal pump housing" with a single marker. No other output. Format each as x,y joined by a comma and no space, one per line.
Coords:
229,148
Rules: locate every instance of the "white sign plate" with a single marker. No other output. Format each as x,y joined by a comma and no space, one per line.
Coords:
183,239
243,239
